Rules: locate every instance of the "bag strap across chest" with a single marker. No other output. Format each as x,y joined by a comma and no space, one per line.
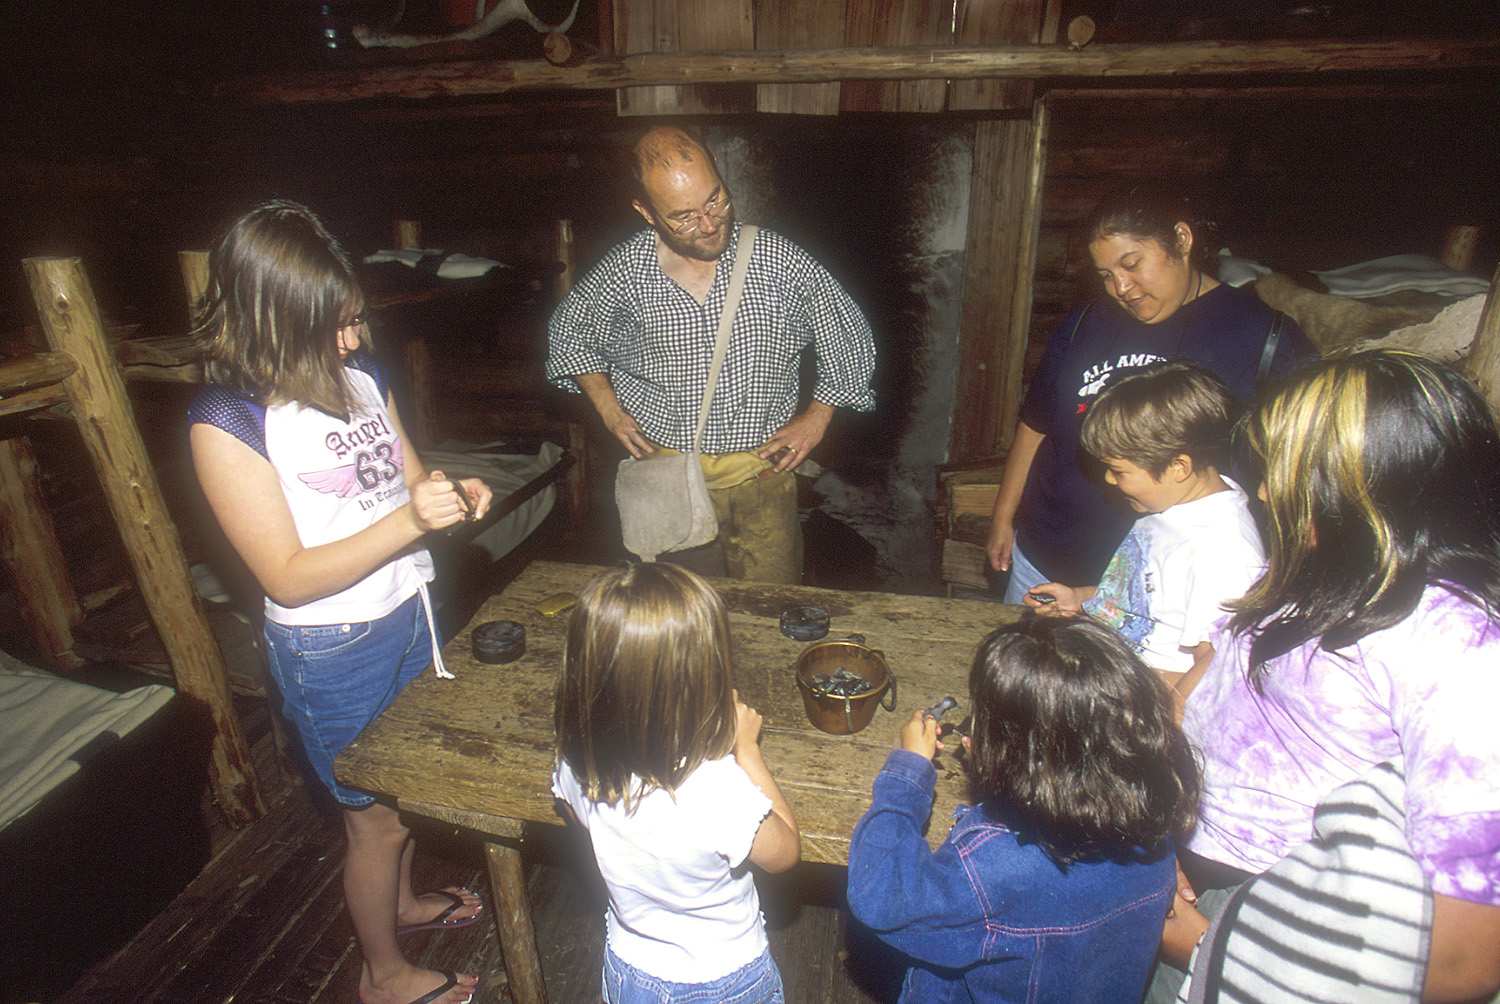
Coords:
726,322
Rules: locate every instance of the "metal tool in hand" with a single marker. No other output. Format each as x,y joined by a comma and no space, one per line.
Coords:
937,711
463,500
940,709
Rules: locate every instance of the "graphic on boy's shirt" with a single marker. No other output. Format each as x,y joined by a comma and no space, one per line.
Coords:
1099,374
1124,593
378,465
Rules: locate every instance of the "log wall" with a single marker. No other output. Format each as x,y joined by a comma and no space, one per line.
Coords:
122,152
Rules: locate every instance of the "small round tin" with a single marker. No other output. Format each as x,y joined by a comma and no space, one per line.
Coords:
497,642
804,623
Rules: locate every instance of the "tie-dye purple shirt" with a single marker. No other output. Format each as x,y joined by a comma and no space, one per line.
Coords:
1428,688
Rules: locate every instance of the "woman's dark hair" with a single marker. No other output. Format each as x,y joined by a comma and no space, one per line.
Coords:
1151,211
279,288
1382,476
1074,744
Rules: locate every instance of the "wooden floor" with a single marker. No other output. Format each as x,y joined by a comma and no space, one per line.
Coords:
264,921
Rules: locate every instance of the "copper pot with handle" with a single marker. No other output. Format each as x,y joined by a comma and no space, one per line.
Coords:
844,714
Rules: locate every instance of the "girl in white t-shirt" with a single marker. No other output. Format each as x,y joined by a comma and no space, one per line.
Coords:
659,760
304,462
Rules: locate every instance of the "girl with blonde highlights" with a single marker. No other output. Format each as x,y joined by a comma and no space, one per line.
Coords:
659,760
1382,477
1368,644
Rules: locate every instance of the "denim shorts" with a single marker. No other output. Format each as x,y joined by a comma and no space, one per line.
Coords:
335,678
759,982
1024,576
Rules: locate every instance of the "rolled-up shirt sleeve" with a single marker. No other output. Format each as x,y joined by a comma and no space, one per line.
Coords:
588,324
844,342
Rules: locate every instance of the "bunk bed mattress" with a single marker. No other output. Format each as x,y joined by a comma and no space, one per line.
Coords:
50,726
506,474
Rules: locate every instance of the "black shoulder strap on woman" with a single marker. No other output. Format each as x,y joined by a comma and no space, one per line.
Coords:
1269,352
1081,315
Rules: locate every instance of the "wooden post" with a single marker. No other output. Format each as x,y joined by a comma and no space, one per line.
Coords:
421,422
30,549
408,233
513,917
1483,362
70,317
194,266
562,247
1458,247
1004,210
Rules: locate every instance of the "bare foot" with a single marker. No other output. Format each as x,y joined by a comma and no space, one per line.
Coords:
427,908
413,984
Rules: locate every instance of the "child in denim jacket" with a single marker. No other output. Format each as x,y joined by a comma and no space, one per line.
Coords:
1055,884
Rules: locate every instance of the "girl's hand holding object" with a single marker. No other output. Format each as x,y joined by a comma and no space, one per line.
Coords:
920,735
747,723
440,502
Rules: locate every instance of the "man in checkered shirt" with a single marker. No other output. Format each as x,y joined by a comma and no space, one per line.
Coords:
637,336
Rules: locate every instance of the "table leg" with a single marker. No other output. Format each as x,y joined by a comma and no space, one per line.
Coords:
513,916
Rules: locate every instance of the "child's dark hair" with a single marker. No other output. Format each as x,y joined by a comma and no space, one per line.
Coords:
279,288
1382,477
1168,410
1074,741
646,693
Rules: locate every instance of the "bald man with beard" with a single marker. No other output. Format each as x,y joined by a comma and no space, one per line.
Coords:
637,334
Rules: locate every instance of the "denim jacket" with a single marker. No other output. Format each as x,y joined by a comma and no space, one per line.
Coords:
987,918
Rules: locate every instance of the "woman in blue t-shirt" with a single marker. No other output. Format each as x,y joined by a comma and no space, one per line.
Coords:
1053,521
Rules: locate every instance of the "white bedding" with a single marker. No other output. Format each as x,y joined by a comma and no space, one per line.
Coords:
1377,277
45,720
504,473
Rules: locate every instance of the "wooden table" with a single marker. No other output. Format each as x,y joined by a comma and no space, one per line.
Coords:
478,751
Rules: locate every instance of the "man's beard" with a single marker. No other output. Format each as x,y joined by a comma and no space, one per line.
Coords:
695,245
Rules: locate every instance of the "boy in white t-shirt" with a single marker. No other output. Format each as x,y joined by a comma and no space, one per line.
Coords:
1162,437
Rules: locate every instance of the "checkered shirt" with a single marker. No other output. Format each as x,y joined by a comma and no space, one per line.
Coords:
628,320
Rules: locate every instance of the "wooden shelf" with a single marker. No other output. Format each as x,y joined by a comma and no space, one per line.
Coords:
1175,61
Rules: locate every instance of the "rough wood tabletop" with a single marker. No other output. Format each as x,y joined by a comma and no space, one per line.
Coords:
481,745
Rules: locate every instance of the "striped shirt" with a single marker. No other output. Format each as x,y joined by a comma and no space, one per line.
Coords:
1345,918
627,319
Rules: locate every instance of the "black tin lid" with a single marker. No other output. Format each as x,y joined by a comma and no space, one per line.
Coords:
804,623
498,642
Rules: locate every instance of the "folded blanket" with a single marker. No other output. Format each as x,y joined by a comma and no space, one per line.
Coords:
1400,272
1367,279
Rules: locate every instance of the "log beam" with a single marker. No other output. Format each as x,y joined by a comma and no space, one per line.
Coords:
1170,61
70,318
29,373
29,548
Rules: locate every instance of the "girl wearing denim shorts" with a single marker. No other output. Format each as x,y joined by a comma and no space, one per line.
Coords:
1055,886
304,462
660,761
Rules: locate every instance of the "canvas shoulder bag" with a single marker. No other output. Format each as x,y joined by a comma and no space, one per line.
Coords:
663,501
